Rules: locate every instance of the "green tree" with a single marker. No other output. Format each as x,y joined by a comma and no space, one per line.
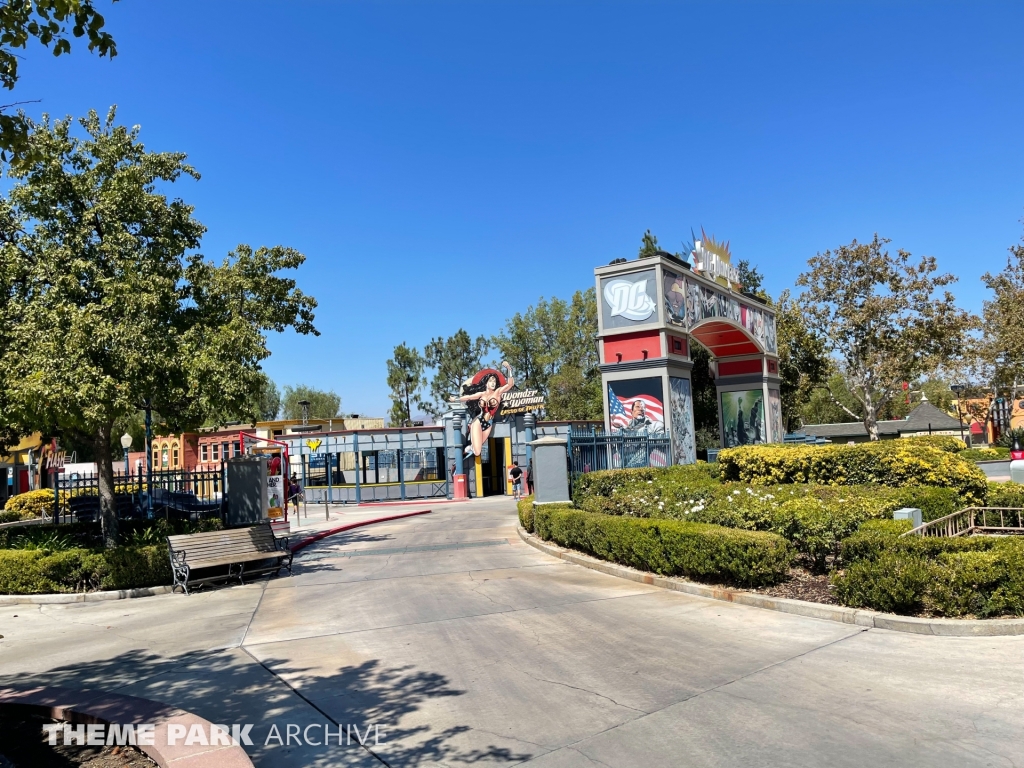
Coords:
105,307
804,364
648,245
751,279
886,319
322,404
454,360
45,21
405,378
552,347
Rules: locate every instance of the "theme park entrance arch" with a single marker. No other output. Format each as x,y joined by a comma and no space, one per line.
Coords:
651,310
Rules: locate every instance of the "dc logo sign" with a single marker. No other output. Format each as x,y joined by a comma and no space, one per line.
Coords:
628,299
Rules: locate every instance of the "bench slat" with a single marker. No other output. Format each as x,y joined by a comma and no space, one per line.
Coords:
231,547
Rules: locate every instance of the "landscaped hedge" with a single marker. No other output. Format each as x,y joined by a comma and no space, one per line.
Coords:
670,547
525,507
986,454
40,571
963,576
1005,495
896,463
946,443
31,504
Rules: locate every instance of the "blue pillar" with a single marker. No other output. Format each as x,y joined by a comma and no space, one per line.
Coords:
401,474
359,465
529,422
444,467
457,439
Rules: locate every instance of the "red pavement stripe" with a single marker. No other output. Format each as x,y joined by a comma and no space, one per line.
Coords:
330,532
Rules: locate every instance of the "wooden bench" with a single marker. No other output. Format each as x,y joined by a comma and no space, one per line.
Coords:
234,548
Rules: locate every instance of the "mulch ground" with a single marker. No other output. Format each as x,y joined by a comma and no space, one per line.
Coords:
802,585
23,744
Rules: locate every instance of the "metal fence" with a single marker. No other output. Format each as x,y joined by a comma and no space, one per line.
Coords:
173,494
590,450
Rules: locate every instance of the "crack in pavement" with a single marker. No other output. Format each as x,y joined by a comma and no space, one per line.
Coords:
575,688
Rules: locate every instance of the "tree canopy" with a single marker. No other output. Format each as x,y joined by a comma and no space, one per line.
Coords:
405,378
107,307
887,320
454,360
323,404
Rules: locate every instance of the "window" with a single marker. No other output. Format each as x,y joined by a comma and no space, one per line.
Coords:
224,450
204,452
216,452
163,457
174,456
156,457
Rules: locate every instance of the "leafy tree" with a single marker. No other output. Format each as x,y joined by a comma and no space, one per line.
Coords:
803,362
705,394
1001,351
322,404
107,310
552,348
454,360
45,21
822,406
268,403
751,279
405,378
883,318
648,245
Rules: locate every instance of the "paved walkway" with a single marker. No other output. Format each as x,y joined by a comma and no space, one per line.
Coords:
468,646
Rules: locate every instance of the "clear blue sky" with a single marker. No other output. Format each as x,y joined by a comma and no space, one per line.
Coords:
445,164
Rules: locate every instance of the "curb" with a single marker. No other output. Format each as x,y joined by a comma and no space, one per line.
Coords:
83,597
303,543
127,594
855,616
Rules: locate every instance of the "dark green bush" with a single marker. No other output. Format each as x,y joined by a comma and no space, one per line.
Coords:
525,507
933,502
670,547
36,571
985,454
895,582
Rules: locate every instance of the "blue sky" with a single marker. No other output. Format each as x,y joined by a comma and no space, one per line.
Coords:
445,164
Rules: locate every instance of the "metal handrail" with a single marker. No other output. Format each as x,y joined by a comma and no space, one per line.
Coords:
974,520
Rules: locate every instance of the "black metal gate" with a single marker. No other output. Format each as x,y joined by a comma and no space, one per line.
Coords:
590,451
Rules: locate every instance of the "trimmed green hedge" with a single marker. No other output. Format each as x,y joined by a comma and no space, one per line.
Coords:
40,571
946,443
964,576
670,547
986,454
525,507
896,463
1005,495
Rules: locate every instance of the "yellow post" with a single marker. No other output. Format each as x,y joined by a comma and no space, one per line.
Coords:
508,465
479,477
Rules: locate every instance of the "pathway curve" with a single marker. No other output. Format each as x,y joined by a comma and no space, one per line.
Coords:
468,646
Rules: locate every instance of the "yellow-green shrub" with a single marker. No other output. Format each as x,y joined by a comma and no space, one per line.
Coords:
896,463
525,507
41,571
946,443
31,504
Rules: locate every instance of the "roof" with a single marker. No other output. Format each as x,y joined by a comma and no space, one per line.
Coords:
923,418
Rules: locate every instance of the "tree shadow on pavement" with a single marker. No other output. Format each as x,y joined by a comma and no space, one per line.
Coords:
231,686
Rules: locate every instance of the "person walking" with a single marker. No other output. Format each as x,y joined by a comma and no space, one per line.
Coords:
515,474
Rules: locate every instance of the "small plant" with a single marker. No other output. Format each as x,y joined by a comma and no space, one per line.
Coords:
48,541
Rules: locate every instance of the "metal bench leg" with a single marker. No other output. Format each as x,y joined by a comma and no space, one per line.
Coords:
180,571
241,570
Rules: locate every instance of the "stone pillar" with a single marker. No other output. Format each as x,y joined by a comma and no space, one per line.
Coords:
551,472
529,424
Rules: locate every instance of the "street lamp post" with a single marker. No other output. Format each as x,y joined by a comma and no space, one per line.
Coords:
126,443
304,404
956,389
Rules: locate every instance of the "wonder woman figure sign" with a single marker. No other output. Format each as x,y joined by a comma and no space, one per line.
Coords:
482,396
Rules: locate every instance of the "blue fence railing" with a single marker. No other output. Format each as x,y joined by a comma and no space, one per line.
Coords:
590,451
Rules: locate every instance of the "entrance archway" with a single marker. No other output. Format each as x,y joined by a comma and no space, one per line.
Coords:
651,310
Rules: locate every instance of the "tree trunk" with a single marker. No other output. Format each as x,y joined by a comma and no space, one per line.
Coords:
105,473
871,419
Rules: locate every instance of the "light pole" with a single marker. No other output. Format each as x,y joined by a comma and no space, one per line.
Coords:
126,443
304,404
956,389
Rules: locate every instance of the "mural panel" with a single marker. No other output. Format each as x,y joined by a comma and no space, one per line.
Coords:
636,407
687,302
681,402
743,418
775,410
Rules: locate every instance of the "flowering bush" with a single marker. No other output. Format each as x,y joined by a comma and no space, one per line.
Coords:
31,504
895,463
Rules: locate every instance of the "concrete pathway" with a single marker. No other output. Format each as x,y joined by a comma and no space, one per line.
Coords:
467,646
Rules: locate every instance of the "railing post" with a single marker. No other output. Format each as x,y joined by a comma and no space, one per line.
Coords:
401,473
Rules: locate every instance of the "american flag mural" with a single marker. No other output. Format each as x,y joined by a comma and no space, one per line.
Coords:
620,411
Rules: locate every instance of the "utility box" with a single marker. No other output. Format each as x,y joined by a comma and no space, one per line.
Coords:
550,470
909,513
1017,471
248,497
